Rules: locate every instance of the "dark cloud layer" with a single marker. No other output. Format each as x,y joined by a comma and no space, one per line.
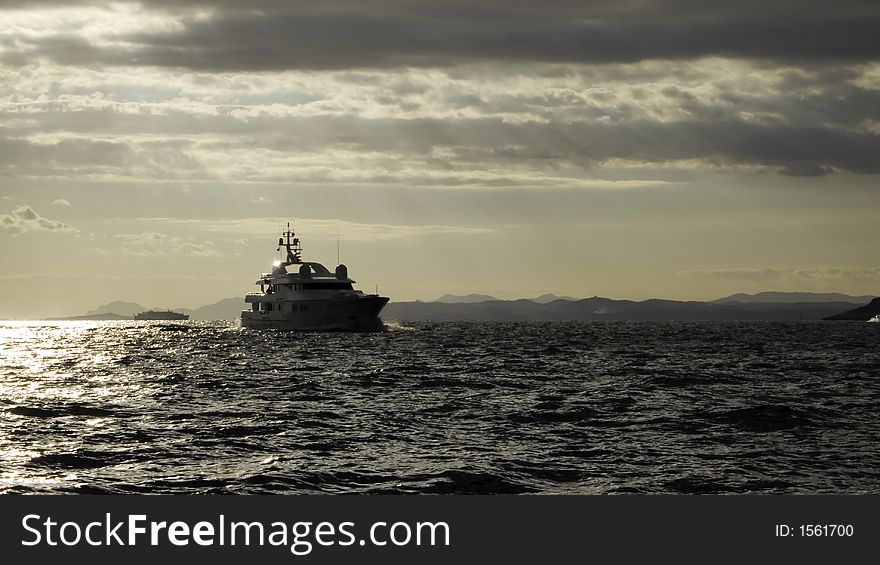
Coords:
411,147
273,35
815,109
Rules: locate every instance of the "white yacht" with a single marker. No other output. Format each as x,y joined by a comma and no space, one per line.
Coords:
161,315
304,295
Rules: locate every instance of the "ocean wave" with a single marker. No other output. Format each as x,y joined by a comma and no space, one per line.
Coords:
441,407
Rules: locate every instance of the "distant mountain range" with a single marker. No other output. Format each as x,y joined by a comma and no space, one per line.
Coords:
607,309
548,298
466,299
226,309
770,296
119,308
472,298
795,297
761,306
98,316
865,312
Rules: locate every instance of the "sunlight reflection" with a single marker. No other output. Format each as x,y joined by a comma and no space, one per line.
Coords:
10,479
61,388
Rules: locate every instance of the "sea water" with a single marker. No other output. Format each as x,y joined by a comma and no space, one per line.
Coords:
453,407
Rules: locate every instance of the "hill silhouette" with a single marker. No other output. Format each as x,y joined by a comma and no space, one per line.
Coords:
598,308
863,313
226,309
562,308
465,299
775,296
545,298
119,308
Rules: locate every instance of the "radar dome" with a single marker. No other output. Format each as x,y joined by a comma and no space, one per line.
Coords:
341,272
305,271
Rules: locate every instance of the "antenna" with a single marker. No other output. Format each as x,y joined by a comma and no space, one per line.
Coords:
337,241
280,240
293,247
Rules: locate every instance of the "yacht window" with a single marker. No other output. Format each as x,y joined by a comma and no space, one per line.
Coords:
329,286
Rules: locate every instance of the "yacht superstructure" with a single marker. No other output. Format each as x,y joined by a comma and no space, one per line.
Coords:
161,315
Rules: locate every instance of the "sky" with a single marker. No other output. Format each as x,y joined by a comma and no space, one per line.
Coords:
151,152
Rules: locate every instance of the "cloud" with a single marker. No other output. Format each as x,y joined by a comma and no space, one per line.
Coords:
531,125
772,275
462,94
309,229
61,202
99,277
24,219
474,152
277,35
153,244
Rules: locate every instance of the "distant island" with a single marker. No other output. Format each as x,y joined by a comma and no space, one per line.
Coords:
226,309
472,298
598,308
863,313
796,297
466,299
111,312
98,317
764,306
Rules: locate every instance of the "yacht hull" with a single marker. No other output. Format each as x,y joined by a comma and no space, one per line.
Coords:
350,314
157,315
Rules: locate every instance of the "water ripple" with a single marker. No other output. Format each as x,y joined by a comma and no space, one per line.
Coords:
463,408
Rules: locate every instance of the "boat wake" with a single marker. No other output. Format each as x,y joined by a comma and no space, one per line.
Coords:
395,326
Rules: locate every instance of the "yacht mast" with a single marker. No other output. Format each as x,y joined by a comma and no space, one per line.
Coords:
292,246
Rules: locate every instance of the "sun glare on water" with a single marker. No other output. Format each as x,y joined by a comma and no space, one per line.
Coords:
50,373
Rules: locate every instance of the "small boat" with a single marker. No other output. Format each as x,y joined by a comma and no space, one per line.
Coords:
875,319
305,295
161,315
